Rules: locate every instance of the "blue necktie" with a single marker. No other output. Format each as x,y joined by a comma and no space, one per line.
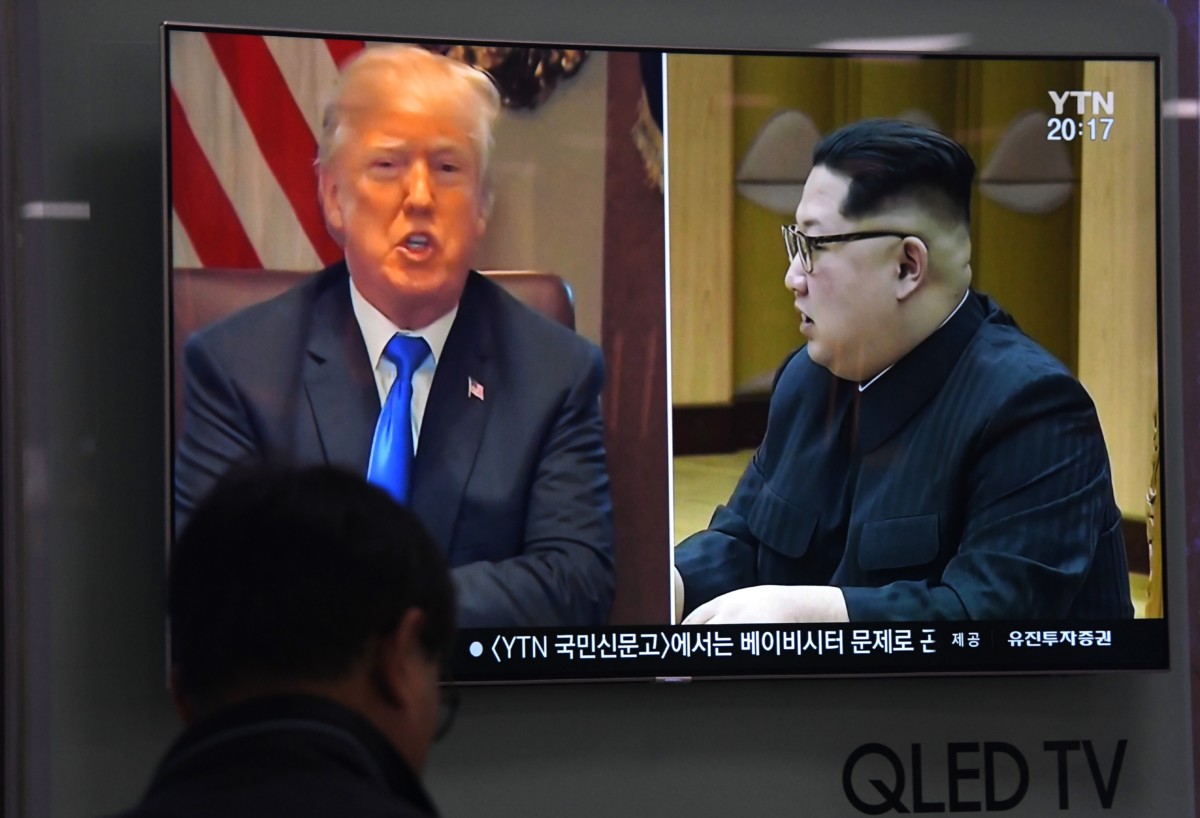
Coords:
390,466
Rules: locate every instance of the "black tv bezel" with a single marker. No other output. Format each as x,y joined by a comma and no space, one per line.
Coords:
1150,636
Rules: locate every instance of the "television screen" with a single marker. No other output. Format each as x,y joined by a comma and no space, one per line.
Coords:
735,364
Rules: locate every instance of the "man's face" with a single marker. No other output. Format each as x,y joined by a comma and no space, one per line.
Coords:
410,712
404,191
847,303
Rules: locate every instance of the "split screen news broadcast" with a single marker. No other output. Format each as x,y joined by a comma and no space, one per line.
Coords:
695,364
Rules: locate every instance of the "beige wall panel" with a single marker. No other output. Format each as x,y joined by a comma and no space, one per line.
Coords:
1027,262
546,163
700,178
899,87
765,325
1118,326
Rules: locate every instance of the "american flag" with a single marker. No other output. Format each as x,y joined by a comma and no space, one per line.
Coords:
245,116
474,389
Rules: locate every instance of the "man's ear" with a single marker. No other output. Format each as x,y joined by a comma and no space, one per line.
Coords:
397,666
327,191
912,267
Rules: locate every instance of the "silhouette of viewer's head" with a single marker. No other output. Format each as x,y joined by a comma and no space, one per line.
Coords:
311,581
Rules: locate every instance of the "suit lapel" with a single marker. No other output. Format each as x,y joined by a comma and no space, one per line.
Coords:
338,380
453,424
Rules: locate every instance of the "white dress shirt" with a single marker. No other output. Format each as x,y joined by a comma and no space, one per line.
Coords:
377,330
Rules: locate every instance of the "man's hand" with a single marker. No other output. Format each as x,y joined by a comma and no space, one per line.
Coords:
763,604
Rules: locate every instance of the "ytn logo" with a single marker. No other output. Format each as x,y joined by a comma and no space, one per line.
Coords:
1102,102
886,793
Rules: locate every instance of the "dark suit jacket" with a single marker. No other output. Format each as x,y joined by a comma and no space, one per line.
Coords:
970,481
513,486
288,756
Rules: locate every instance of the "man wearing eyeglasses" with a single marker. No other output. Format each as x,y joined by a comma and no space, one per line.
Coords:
924,459
310,618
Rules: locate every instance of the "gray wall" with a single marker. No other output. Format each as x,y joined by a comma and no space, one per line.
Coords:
83,591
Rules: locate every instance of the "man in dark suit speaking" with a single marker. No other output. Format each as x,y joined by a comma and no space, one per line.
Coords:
924,459
403,364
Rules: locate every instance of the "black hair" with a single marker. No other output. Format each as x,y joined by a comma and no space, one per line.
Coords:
284,574
885,158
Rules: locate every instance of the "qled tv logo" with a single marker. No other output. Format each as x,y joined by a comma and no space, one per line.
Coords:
990,776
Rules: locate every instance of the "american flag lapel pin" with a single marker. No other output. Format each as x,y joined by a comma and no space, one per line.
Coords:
474,389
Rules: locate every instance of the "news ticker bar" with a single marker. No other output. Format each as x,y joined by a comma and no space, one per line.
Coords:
658,651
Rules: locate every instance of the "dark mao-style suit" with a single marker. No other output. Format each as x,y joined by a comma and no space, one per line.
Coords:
970,481
513,486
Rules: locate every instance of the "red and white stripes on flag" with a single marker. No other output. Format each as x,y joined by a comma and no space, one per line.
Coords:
245,119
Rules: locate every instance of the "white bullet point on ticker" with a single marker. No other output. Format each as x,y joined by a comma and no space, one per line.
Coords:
476,649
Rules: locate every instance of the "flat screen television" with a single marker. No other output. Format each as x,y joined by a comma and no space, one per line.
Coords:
637,197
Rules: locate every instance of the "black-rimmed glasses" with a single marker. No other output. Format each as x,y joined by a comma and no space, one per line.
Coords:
798,244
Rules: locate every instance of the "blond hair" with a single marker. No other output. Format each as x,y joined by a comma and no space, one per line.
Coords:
423,74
